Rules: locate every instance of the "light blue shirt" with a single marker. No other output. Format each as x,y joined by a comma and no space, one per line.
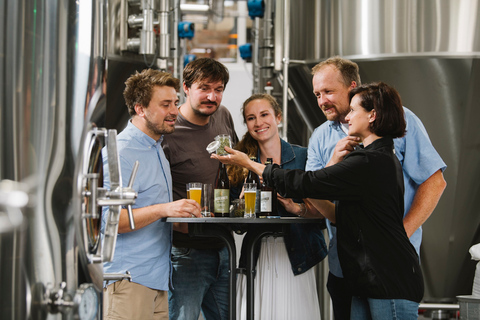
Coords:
415,151
144,252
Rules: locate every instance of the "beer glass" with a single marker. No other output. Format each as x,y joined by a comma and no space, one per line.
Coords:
207,200
250,193
194,192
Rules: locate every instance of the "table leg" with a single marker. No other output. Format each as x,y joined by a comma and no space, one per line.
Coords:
219,231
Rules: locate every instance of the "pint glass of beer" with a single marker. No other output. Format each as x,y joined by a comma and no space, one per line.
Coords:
195,191
250,193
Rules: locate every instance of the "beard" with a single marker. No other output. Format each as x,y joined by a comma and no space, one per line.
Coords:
337,115
158,129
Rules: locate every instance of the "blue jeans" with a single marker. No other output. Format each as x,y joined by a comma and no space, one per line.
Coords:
383,309
200,282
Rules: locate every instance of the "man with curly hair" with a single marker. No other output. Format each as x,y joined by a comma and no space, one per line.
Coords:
151,98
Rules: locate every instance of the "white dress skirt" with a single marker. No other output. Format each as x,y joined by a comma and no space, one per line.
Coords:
279,294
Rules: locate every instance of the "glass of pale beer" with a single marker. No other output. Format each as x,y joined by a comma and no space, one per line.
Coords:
194,192
250,193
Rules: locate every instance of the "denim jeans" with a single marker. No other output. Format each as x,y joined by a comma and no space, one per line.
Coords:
383,309
200,282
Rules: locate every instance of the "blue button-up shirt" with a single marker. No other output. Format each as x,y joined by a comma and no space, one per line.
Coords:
415,151
144,252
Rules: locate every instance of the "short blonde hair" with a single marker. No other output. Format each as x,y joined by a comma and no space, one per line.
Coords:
347,68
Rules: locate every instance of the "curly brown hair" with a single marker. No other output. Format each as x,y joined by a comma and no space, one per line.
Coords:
139,87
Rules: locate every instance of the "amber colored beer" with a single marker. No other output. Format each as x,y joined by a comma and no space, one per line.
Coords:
196,194
250,198
250,194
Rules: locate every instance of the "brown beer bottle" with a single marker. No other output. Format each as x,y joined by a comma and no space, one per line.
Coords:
268,199
252,177
222,193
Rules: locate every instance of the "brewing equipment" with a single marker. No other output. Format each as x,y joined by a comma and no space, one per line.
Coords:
52,111
62,68
430,51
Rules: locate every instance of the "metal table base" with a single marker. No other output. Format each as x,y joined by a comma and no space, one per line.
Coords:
219,227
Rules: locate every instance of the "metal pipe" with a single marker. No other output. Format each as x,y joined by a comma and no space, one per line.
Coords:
188,8
278,37
241,25
135,20
133,44
123,35
217,10
286,62
175,46
164,47
147,36
255,56
267,59
438,306
183,47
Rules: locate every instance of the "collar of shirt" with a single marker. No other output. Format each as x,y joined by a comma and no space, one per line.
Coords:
142,137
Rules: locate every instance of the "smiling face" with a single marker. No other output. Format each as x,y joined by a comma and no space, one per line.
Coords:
359,119
204,98
262,123
160,115
332,93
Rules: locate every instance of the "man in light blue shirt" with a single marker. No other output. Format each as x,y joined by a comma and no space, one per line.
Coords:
422,166
151,98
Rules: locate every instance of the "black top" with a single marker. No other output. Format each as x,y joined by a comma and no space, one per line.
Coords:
376,256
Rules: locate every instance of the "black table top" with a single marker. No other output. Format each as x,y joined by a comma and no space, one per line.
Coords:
246,220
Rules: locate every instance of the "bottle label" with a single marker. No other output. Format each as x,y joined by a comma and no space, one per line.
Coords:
266,201
222,201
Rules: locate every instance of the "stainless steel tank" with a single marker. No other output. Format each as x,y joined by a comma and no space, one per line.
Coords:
430,51
52,94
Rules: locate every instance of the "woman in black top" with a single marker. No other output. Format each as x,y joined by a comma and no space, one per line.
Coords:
378,261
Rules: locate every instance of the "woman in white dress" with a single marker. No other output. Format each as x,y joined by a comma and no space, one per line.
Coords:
285,286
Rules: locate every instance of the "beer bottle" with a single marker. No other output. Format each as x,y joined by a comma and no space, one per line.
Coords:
222,193
252,177
268,199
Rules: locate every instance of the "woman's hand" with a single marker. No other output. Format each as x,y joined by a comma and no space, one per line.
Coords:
234,157
343,147
241,159
289,205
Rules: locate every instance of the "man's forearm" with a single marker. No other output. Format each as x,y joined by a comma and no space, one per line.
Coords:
426,199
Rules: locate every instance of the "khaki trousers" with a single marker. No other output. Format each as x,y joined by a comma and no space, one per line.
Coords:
130,301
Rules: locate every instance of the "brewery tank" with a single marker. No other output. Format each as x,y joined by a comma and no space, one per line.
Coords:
52,97
429,51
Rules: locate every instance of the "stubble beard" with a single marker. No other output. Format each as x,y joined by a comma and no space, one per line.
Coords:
336,116
158,129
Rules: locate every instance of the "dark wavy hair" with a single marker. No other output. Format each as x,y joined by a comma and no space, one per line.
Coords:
139,87
205,69
386,101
